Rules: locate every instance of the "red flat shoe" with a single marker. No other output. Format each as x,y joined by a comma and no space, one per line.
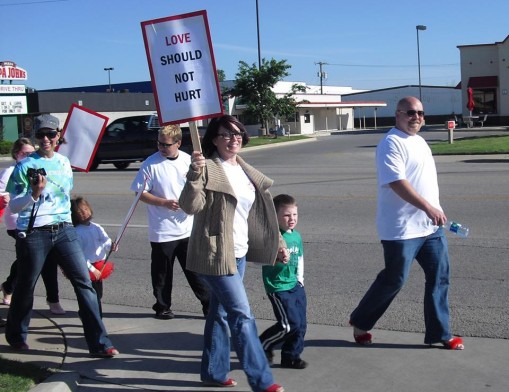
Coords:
455,343
106,353
364,340
230,382
274,388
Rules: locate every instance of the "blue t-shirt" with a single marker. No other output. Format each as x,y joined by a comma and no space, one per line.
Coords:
54,205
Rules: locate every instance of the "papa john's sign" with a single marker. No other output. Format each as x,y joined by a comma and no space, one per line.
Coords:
9,71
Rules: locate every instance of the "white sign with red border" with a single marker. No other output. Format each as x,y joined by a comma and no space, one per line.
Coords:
83,131
182,68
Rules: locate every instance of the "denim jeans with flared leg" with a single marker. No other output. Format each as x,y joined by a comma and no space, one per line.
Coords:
33,252
229,311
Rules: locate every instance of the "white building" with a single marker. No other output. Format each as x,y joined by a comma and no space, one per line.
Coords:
319,109
440,102
485,69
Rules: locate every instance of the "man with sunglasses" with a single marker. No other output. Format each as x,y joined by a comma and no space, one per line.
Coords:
161,178
44,231
409,223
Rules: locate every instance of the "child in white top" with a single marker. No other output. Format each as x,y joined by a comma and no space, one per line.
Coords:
94,240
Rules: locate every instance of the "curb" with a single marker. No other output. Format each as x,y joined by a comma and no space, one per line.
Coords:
59,382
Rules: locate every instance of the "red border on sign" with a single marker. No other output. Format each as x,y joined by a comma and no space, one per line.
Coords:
202,13
78,107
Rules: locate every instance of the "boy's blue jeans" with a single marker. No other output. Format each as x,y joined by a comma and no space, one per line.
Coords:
432,255
290,311
229,311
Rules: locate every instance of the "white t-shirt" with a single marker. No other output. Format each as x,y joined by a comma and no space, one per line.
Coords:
165,178
94,241
245,193
401,156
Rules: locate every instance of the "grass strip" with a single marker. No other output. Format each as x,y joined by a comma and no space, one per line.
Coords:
496,144
17,376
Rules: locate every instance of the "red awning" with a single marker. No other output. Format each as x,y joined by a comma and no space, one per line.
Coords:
483,81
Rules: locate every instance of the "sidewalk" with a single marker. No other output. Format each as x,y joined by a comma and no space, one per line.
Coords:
164,355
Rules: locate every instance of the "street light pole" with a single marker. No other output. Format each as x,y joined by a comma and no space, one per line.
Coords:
419,27
258,34
109,78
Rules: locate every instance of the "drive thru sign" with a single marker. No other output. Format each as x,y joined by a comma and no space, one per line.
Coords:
182,68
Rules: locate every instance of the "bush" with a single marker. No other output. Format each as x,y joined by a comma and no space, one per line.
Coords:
5,147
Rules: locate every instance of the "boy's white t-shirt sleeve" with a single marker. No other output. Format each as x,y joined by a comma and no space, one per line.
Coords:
300,270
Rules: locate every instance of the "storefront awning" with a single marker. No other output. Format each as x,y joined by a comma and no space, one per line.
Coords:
483,81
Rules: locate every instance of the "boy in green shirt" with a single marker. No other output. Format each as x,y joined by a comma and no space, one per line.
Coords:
284,284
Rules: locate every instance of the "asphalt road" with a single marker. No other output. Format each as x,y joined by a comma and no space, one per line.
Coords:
334,181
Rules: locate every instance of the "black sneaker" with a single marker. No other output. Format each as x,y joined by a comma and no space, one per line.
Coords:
270,356
293,364
165,315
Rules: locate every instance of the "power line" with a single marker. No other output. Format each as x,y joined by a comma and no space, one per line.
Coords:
390,66
32,2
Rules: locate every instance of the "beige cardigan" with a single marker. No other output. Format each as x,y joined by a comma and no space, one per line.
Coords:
210,198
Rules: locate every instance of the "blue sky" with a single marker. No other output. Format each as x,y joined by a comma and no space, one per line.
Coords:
367,44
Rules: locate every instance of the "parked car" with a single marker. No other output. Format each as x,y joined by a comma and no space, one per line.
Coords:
133,139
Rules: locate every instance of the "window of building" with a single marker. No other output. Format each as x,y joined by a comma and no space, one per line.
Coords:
485,101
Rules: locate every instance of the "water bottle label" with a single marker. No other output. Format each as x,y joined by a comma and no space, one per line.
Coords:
454,227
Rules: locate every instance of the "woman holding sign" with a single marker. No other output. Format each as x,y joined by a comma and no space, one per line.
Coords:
232,207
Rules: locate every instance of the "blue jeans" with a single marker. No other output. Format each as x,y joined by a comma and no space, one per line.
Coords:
32,252
432,255
229,311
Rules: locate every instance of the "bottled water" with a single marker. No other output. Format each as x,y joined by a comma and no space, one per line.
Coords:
457,228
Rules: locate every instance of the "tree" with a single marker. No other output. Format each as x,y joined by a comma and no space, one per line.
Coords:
254,87
221,76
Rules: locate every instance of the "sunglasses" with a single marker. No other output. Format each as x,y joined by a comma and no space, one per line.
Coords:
48,134
165,145
227,136
411,113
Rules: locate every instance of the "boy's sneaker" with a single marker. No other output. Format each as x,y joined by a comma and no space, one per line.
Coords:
165,315
293,363
270,356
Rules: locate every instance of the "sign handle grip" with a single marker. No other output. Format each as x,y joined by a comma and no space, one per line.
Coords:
195,136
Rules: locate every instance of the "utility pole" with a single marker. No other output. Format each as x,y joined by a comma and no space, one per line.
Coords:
322,75
258,34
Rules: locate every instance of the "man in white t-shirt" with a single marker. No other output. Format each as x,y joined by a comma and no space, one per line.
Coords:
409,220
169,228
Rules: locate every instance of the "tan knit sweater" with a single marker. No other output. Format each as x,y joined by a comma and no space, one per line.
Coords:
210,198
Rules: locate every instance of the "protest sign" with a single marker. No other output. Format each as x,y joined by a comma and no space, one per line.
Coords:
182,68
82,131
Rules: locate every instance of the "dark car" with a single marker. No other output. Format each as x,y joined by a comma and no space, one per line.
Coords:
133,139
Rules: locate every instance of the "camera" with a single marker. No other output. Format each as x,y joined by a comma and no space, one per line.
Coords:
33,174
